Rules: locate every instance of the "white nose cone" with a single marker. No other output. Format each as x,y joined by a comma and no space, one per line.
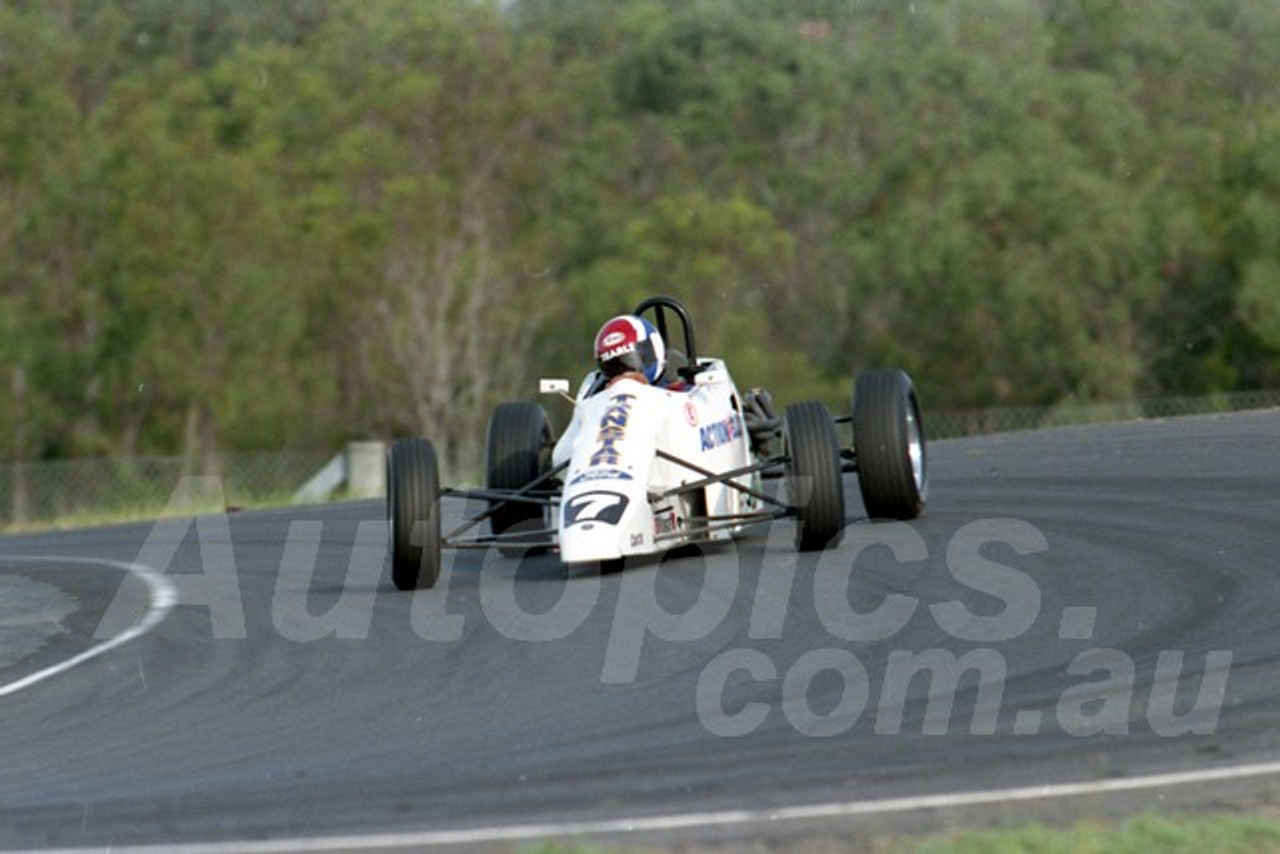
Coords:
604,510
592,526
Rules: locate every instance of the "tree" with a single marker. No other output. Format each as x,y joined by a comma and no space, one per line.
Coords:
235,225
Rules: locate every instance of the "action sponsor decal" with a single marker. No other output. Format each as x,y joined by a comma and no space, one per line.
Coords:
721,432
599,506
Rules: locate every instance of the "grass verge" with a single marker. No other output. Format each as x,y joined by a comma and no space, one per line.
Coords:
1227,833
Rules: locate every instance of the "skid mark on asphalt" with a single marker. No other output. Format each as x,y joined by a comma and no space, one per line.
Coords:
163,597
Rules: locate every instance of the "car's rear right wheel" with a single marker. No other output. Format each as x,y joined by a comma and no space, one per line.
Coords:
518,451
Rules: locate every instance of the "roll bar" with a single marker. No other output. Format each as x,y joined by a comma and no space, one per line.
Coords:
659,306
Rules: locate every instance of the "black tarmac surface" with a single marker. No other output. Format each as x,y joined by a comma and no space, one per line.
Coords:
1082,604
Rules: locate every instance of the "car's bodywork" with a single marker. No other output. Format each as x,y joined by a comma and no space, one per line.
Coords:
645,468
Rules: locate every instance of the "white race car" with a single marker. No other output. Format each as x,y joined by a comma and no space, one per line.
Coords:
644,468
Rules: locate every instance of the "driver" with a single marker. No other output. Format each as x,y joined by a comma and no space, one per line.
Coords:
629,347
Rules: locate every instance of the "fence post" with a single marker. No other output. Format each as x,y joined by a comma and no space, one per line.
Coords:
21,503
367,469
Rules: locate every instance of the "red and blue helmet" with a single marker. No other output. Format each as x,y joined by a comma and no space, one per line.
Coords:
630,343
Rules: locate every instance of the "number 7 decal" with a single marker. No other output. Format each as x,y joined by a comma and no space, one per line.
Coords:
604,507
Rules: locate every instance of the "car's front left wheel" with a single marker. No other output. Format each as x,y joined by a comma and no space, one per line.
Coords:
888,441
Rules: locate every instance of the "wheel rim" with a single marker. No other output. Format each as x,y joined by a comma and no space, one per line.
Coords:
915,447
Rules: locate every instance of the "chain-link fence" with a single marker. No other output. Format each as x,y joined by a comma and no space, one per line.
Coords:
96,490
945,425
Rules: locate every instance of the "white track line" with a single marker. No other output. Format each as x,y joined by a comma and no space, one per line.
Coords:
163,597
687,821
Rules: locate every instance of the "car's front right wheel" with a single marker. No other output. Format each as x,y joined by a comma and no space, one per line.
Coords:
413,511
814,472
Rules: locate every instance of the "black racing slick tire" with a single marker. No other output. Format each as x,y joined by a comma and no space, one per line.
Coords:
518,451
889,444
413,509
814,473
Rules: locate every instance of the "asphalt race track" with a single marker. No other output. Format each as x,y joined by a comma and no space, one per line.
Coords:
1086,605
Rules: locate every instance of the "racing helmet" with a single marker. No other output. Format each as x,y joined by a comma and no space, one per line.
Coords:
629,343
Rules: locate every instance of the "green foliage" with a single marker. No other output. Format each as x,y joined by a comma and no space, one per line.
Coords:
1144,834
243,225
1141,835
730,264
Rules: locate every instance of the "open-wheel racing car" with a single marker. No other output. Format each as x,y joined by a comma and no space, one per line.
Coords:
646,467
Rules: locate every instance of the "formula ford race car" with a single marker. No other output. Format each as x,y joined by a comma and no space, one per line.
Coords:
645,468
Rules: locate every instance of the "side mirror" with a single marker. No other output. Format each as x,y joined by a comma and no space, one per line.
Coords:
553,386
